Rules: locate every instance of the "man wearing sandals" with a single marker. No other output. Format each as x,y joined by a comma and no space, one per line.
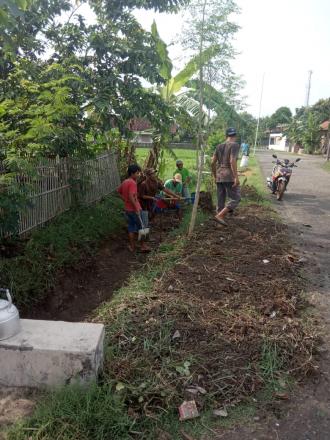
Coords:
128,192
224,170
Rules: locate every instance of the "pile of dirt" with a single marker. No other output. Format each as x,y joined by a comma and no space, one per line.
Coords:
224,321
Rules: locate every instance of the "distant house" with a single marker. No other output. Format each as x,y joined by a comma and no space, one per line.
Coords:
143,131
277,141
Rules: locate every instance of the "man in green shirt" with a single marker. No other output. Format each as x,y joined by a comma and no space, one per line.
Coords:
175,186
185,178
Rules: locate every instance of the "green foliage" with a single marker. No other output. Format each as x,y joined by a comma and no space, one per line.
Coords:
89,83
208,24
13,200
62,243
247,126
311,134
304,128
74,412
282,116
216,138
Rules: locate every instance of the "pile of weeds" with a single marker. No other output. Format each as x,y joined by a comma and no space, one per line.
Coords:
31,271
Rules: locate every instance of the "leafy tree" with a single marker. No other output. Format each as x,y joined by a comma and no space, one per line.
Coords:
282,116
90,83
209,22
304,129
310,135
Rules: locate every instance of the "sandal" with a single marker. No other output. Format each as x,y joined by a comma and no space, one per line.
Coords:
220,221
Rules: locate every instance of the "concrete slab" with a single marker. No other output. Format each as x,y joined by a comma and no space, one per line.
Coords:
51,353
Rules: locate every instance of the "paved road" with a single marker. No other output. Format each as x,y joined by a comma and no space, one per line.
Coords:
307,202
306,210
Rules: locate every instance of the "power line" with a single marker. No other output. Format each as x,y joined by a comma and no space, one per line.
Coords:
257,129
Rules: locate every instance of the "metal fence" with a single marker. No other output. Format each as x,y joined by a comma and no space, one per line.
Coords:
58,183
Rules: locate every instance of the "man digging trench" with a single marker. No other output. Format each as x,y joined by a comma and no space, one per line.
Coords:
224,170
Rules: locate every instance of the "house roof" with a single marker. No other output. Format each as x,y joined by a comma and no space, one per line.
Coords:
325,125
139,124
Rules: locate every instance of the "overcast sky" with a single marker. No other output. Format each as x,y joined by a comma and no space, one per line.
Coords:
283,39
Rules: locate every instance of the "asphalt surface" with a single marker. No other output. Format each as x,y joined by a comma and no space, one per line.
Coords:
306,210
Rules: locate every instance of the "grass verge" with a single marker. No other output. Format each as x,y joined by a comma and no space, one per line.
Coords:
326,166
64,242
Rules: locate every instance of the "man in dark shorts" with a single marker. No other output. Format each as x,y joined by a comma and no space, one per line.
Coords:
128,192
224,170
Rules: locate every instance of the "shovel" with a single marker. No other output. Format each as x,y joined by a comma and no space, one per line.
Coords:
143,232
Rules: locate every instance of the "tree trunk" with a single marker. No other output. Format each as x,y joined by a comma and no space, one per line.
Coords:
153,157
200,134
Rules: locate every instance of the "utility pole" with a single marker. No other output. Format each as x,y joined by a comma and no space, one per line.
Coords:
308,87
257,129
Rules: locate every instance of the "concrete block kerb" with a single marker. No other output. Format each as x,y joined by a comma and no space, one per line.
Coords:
51,353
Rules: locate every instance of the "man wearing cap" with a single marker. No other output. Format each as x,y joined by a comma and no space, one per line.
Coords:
224,170
185,178
175,187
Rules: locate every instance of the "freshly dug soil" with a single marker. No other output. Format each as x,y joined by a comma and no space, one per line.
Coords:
81,289
228,312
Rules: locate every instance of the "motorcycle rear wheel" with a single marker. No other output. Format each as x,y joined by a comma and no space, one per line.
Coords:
280,190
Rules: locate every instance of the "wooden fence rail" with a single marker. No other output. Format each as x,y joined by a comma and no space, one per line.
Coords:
58,183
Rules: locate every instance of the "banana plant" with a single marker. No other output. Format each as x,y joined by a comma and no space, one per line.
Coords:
172,91
174,84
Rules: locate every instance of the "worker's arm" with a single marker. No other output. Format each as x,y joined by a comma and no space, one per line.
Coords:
133,199
214,166
233,166
171,193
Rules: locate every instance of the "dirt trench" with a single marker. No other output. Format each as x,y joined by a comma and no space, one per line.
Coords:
81,289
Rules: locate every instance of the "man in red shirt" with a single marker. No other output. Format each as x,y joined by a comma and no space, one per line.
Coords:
128,192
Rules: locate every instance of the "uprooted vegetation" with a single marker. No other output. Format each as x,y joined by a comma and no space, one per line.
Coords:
211,322
215,320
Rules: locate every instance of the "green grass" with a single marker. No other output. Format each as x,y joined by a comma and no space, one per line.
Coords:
63,243
168,166
326,166
187,156
255,177
98,412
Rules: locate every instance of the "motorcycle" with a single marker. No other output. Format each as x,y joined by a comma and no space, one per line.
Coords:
281,175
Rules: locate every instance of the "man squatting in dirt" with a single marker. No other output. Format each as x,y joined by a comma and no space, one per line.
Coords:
224,170
133,211
147,191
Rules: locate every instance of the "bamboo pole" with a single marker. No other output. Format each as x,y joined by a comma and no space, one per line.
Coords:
200,134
